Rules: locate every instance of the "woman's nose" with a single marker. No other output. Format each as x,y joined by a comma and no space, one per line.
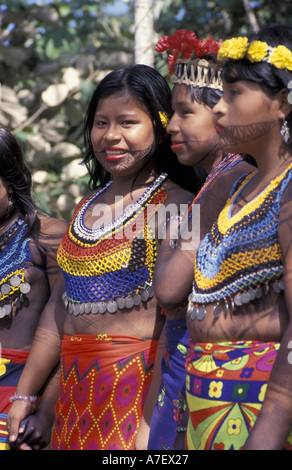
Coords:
219,108
112,133
172,125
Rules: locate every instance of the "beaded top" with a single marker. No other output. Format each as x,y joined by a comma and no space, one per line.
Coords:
111,267
14,256
241,252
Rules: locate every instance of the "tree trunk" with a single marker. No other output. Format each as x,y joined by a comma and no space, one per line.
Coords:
144,32
251,16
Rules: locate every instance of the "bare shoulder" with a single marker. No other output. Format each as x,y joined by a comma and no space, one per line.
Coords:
220,188
176,194
51,227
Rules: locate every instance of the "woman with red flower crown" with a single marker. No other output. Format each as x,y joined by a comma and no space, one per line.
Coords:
197,89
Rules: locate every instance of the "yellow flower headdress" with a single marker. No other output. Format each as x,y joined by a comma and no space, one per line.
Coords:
256,51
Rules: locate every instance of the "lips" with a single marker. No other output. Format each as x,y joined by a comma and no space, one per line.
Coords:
176,145
114,154
219,128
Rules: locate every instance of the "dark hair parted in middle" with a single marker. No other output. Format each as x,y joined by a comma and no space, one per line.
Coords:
152,94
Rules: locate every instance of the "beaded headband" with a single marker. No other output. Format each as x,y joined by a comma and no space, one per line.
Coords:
256,51
188,60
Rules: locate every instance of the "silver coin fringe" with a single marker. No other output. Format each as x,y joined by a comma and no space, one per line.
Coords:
111,306
199,311
24,288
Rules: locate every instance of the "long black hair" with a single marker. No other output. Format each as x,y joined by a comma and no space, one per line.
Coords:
14,171
270,78
152,93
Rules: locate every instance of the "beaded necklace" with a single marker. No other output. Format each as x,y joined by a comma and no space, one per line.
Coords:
111,268
14,256
240,258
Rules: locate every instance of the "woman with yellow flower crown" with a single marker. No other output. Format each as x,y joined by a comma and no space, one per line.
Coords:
240,310
112,321
197,88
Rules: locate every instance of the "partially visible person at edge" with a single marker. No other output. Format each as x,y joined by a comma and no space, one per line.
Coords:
239,315
28,269
113,323
197,88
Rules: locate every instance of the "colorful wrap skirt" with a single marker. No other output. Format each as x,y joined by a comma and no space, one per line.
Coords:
103,386
11,366
172,394
226,385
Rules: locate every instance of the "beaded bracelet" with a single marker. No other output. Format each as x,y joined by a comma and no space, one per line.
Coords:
28,398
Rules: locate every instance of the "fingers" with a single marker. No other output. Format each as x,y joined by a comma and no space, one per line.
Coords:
24,447
17,413
13,429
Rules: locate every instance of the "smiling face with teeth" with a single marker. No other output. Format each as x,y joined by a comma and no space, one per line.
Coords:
122,135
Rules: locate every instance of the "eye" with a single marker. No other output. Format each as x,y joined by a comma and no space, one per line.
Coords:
234,91
99,123
186,111
127,122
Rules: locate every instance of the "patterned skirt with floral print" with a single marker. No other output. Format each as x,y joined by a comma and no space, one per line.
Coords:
226,385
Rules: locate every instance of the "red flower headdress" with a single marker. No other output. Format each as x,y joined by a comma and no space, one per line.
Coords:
186,51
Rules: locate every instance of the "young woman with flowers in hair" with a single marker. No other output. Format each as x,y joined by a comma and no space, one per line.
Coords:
240,311
197,88
112,321
28,269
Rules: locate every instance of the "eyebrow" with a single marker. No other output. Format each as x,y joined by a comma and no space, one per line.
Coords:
130,114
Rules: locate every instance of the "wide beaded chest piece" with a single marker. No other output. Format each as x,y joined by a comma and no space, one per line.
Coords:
15,256
111,268
240,259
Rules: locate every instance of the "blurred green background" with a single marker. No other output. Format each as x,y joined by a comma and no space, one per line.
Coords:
53,53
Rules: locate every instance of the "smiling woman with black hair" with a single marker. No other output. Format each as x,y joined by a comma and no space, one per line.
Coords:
112,321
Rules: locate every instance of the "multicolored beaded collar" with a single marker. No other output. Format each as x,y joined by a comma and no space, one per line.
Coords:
14,256
240,258
104,269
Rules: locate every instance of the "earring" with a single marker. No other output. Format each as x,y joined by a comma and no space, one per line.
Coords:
285,133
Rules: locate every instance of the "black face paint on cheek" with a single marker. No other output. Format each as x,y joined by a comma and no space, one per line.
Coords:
133,157
234,135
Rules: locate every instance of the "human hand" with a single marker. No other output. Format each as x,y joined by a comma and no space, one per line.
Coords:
35,433
17,413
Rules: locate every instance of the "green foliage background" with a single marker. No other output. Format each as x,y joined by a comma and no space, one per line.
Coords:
52,55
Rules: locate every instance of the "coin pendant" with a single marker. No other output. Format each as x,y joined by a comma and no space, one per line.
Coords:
102,307
94,308
5,289
202,313
217,310
25,288
112,307
15,281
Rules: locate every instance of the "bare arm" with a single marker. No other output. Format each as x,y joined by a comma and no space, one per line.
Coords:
274,422
42,360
